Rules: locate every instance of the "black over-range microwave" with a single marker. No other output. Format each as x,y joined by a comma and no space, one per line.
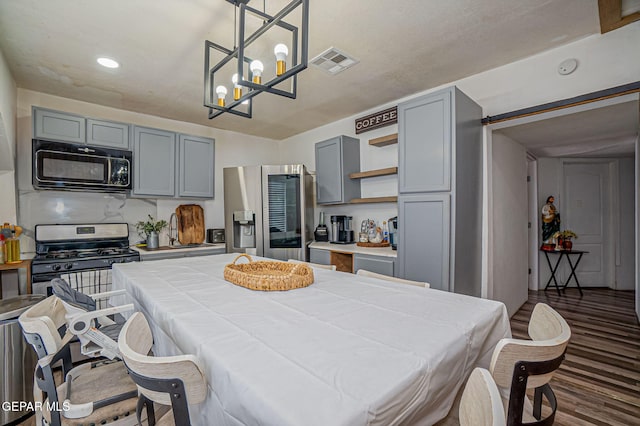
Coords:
65,166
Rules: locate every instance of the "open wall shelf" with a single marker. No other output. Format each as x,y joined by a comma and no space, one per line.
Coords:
373,173
393,199
384,140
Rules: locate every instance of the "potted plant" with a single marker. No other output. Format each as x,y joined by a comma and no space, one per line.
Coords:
564,239
150,229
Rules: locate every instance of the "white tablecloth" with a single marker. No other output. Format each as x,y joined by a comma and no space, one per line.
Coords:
347,350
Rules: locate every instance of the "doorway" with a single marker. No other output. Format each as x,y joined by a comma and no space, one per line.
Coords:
604,134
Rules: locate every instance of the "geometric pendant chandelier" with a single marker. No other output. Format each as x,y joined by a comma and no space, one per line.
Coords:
265,59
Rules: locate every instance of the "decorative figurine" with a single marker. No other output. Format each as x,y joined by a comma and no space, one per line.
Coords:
550,223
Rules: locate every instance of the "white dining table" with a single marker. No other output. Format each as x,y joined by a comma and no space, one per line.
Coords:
346,350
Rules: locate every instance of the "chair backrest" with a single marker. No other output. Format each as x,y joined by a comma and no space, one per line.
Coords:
481,404
135,342
315,265
366,273
71,296
44,319
550,333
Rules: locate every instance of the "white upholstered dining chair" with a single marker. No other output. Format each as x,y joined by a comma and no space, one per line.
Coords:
315,265
481,404
518,365
90,393
176,381
366,273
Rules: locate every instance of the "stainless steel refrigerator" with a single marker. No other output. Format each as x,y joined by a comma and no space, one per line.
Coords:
268,210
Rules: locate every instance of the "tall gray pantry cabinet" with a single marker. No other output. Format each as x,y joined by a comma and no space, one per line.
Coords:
440,191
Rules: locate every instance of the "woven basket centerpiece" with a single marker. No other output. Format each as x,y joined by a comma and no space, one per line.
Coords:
267,275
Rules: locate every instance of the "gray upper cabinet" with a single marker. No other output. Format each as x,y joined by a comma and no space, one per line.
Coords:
440,191
196,167
58,126
154,162
107,133
165,164
424,137
336,158
65,127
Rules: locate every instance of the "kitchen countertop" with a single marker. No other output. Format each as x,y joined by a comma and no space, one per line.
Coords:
203,246
353,248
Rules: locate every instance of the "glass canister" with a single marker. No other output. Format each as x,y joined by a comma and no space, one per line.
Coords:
12,249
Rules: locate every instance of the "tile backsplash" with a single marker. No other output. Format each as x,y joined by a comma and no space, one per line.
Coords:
49,207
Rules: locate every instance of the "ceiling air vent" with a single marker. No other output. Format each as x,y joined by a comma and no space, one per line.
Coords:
333,61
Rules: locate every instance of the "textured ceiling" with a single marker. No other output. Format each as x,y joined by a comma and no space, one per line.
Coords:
607,131
403,46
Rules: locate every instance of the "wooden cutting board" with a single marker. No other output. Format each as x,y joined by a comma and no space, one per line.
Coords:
190,224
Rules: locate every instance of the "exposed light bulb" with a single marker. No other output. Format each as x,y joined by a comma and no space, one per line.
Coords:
221,91
237,89
281,51
256,68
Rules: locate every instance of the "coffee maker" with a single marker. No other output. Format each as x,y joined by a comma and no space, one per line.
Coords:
321,233
341,232
393,232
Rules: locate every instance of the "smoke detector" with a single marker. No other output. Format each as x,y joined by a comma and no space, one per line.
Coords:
333,61
567,67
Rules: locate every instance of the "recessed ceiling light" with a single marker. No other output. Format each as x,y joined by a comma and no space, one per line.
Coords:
107,62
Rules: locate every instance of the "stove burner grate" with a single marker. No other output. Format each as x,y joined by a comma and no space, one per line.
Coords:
63,254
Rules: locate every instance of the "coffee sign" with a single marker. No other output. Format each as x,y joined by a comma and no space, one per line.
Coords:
377,120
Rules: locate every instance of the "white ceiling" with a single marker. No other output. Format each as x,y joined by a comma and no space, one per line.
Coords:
403,46
606,131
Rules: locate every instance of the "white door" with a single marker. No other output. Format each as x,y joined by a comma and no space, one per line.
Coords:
587,212
532,195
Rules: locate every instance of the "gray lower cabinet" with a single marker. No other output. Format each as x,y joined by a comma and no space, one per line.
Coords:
423,245
321,257
336,158
440,191
379,264
154,162
58,126
107,133
196,167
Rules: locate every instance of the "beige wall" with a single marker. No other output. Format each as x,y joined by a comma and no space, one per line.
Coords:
7,115
8,209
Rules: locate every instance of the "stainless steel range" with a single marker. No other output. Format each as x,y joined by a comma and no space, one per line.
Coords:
80,253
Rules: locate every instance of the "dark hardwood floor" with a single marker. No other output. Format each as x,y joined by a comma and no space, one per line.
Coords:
599,381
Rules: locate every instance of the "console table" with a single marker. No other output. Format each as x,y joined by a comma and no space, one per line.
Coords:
554,268
26,264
